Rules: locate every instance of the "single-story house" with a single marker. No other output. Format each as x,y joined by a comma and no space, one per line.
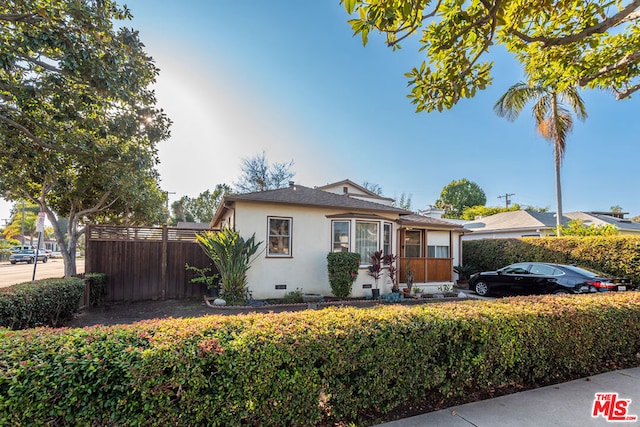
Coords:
526,223
301,225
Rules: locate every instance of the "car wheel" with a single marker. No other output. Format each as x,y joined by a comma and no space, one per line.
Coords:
13,262
561,292
481,289
44,260
30,261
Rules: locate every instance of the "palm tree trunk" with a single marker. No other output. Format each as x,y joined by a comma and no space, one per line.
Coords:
559,214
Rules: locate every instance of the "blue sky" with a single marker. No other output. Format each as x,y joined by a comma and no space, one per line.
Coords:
288,78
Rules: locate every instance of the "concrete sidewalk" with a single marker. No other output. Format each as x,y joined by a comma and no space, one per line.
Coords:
568,404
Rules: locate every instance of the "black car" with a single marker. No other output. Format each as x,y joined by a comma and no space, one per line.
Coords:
526,278
28,256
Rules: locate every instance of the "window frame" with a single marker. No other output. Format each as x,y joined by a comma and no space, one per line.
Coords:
420,244
289,236
435,249
367,262
387,246
333,235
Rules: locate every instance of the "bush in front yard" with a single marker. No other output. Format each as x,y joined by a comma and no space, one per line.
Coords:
343,271
46,302
309,367
97,287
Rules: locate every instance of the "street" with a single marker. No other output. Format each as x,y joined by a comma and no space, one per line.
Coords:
11,274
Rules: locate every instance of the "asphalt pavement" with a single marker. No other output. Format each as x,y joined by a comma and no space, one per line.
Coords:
614,398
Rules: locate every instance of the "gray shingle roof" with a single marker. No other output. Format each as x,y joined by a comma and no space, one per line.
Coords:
419,220
523,219
300,195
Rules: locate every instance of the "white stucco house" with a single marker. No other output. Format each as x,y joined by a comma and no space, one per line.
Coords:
300,225
525,223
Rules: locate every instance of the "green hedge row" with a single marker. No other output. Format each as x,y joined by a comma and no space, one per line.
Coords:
310,367
616,255
97,287
46,302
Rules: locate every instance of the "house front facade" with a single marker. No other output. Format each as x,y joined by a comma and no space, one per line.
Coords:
299,226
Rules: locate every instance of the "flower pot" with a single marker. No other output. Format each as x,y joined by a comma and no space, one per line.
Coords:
375,293
213,292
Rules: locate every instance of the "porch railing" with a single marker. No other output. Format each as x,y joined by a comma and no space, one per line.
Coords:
426,269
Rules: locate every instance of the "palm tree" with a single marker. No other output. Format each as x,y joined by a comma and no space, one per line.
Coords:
552,112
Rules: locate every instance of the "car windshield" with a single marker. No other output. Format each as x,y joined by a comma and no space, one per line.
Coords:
584,271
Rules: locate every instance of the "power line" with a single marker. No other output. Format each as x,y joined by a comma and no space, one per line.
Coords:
507,202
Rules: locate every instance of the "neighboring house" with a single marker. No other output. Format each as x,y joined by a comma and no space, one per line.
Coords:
301,225
526,223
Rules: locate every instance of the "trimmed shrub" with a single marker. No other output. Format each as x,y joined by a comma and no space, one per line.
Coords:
343,271
97,287
615,255
46,302
310,367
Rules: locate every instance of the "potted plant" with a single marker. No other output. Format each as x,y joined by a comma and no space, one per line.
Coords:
375,271
463,272
417,292
388,260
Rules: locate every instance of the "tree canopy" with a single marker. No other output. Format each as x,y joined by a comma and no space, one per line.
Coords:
260,175
458,195
560,44
78,121
200,208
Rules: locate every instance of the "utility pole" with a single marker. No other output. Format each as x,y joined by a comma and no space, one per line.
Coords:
22,226
507,202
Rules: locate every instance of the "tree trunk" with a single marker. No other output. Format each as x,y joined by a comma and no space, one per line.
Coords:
68,250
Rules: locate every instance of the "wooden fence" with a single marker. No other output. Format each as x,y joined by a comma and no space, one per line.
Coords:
143,263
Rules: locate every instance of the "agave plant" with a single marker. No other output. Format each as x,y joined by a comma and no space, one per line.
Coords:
232,256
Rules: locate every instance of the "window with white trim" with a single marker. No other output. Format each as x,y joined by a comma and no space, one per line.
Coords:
279,236
367,240
340,232
438,252
386,239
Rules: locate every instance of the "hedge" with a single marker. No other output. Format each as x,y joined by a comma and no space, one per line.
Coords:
615,255
310,367
47,302
97,287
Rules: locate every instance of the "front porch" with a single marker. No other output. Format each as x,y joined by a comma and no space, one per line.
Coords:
426,270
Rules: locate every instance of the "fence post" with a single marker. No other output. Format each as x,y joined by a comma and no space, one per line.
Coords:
165,245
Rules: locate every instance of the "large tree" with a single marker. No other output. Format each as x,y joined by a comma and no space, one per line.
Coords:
78,122
554,120
458,195
201,208
260,175
559,43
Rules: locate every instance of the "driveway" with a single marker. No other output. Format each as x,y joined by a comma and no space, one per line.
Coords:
10,274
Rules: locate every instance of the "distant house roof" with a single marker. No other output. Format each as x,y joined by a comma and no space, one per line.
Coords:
346,183
524,220
304,196
515,220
